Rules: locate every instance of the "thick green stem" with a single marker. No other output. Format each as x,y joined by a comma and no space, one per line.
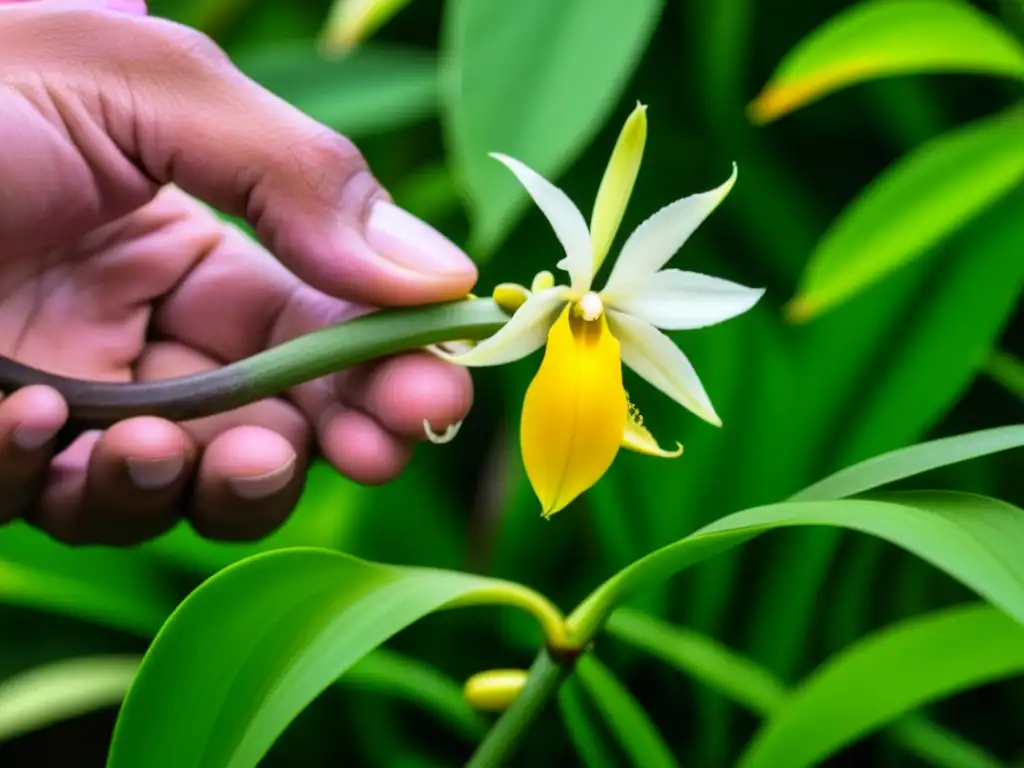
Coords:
546,675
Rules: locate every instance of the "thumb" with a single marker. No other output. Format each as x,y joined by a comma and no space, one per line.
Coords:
168,101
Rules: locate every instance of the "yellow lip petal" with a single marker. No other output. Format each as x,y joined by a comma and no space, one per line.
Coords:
639,439
617,184
575,411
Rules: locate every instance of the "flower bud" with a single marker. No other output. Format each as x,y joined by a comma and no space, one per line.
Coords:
510,296
495,689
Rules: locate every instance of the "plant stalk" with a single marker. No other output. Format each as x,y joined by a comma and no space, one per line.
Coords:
546,675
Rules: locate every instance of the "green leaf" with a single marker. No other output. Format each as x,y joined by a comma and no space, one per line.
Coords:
887,675
889,37
921,199
719,34
702,658
375,89
349,22
908,356
419,683
940,747
624,716
972,538
264,637
117,588
915,460
591,744
535,80
757,689
61,690
590,741
1008,371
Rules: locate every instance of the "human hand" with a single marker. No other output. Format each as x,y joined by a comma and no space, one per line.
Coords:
109,271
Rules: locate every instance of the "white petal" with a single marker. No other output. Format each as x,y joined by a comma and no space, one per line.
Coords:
655,356
524,333
678,301
654,242
565,218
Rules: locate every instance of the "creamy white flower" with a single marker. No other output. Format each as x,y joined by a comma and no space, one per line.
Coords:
576,413
640,297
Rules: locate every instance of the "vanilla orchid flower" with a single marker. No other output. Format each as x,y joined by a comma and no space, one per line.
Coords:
576,413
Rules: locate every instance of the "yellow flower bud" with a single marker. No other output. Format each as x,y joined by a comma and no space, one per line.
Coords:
495,689
510,296
542,281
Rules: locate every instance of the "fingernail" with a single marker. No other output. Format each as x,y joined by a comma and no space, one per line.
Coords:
33,438
400,237
154,474
261,486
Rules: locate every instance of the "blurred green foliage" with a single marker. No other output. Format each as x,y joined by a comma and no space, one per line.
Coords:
902,359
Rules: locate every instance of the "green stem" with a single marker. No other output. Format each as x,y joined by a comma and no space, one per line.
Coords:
546,675
366,338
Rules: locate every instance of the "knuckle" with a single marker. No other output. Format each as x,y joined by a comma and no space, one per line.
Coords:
334,171
195,46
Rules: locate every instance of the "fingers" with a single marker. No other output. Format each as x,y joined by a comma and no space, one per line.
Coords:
370,437
140,477
29,421
306,190
249,481
119,487
401,392
360,447
254,461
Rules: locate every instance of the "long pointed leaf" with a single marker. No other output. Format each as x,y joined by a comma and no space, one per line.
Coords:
921,199
914,460
880,38
63,689
535,80
757,689
972,538
117,588
624,716
887,675
246,652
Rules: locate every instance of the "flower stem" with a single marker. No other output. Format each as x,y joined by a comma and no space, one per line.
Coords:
546,675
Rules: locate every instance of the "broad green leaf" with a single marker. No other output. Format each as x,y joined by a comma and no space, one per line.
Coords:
535,80
117,588
889,37
915,460
263,638
971,538
349,22
373,90
419,683
624,716
758,690
921,199
887,675
590,741
61,690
